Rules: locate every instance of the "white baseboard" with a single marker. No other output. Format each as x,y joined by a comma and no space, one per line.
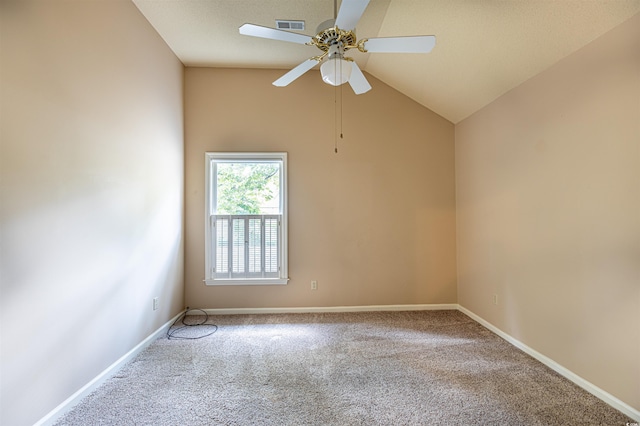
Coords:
307,310
584,384
74,399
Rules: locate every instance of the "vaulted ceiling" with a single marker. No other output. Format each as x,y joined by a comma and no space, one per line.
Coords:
484,48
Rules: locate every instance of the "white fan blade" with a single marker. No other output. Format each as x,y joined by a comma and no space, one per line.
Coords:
350,13
358,81
274,34
295,73
415,44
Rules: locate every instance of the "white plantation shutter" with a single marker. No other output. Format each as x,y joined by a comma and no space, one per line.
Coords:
221,238
237,247
271,244
246,246
254,246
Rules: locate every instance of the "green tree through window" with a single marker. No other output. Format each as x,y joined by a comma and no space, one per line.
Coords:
248,188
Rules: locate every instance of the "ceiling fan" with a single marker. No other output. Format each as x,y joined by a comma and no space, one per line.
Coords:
334,37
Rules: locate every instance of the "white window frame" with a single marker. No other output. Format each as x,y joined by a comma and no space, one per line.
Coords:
212,158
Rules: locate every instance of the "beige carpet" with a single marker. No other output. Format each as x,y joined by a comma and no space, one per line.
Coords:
382,368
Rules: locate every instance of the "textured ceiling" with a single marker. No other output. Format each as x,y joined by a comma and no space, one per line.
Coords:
484,47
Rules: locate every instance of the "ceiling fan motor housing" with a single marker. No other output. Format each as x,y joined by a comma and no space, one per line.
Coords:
329,35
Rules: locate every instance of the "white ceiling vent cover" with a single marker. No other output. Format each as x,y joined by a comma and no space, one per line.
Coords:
282,24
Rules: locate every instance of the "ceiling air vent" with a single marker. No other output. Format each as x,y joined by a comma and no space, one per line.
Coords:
282,24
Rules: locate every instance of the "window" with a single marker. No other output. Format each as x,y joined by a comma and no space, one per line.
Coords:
246,218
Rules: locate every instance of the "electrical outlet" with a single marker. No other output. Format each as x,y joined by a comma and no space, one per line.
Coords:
155,303
314,285
495,299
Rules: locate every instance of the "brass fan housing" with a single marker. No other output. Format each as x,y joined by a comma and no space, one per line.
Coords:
334,35
330,35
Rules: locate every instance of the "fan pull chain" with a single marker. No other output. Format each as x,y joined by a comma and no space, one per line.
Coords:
335,101
341,102
335,118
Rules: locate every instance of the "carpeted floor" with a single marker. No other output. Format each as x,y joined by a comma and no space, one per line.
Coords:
378,368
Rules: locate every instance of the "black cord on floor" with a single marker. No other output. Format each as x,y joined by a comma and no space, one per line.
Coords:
171,332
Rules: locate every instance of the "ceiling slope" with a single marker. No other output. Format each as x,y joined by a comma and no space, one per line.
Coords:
484,48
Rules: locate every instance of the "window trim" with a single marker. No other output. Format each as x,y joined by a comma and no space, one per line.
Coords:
210,188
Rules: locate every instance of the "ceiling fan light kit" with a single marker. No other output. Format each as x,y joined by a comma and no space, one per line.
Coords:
334,38
335,71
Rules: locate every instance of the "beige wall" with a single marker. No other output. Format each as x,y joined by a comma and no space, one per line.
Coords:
373,224
91,168
548,199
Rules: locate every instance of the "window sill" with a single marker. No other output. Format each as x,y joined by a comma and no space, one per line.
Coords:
247,281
